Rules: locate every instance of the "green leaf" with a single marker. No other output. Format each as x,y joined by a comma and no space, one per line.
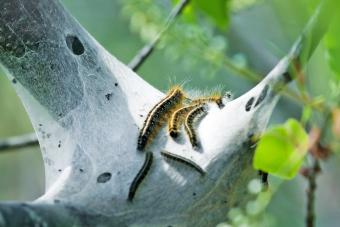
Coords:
332,44
282,149
188,13
217,10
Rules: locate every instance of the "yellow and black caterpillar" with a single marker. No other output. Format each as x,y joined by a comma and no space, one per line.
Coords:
158,115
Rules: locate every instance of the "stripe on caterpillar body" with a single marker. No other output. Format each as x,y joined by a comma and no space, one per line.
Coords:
177,119
158,115
194,115
140,175
216,97
183,160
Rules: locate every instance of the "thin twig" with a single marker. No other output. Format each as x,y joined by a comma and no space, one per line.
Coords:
311,177
314,170
145,52
15,142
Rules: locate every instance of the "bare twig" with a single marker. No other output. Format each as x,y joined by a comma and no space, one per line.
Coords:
145,52
311,178
21,141
316,153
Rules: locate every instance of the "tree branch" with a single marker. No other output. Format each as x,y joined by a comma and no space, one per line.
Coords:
145,52
16,142
311,177
316,153
64,80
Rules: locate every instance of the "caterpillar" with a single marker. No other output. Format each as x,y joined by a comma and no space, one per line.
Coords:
158,114
183,160
177,119
179,115
192,116
216,97
140,175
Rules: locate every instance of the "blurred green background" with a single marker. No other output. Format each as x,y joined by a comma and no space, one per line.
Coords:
257,35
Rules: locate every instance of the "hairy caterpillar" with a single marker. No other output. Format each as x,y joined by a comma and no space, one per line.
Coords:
183,160
177,119
191,118
140,175
179,115
216,97
158,114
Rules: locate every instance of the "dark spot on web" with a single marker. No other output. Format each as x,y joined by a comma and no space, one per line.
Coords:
74,44
116,84
109,96
262,95
249,103
81,170
14,81
104,177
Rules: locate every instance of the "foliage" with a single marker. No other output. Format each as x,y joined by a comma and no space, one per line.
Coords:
217,10
333,55
193,40
282,149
